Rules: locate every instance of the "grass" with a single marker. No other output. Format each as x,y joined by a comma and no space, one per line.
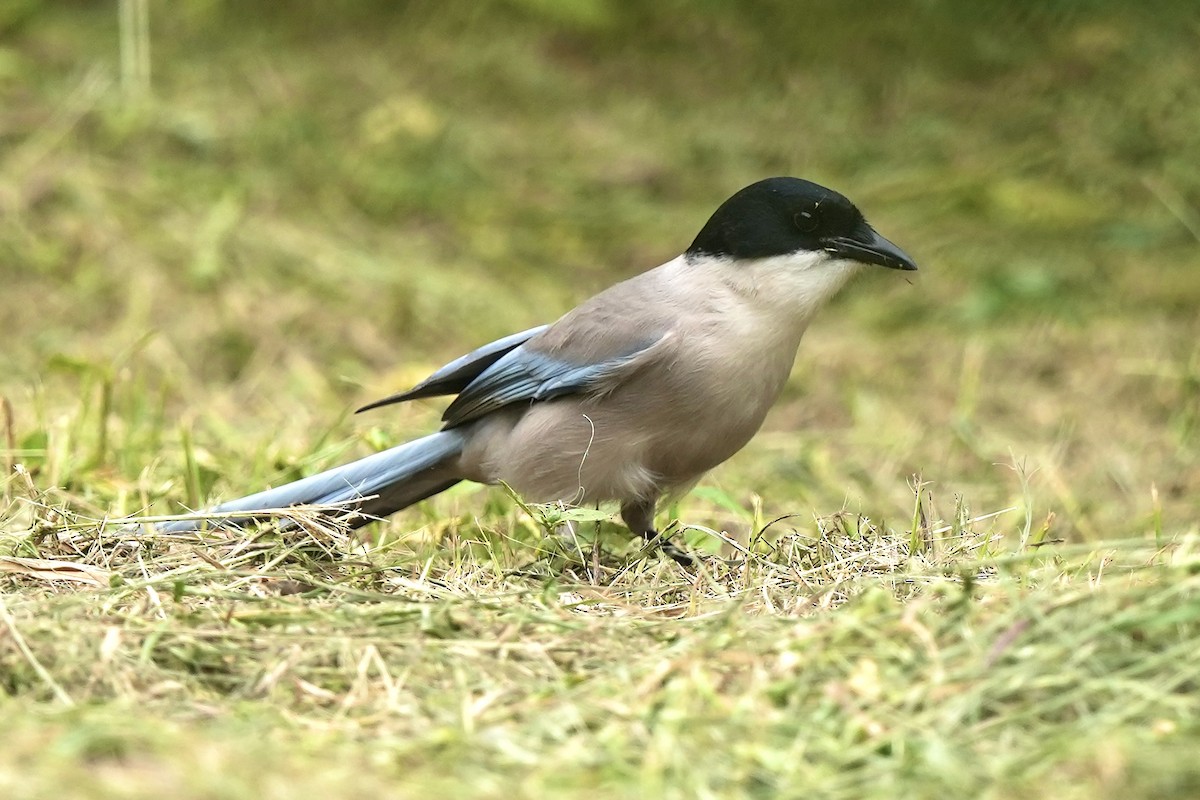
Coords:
961,558
839,659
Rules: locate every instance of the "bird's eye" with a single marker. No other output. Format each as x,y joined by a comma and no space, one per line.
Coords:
807,220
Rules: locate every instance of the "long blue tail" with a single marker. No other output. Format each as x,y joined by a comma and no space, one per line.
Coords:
370,488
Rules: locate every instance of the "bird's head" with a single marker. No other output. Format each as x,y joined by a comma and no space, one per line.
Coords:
789,216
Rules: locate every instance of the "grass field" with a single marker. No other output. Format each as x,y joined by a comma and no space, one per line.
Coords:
962,558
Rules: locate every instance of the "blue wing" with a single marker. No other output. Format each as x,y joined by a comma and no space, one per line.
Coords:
458,374
523,374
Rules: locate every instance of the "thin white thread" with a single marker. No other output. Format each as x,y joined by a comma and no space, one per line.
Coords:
579,494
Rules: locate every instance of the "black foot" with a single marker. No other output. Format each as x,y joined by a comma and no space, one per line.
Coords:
671,550
677,553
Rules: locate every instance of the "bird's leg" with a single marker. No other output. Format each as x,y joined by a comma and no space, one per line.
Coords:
596,552
639,517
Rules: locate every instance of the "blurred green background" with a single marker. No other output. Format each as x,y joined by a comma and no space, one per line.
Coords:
224,224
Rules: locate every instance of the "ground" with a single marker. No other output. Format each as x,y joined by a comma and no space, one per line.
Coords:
961,559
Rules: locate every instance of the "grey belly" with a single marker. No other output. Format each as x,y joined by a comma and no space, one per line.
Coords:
580,451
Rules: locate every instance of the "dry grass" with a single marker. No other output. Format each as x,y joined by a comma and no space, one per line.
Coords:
961,560
839,659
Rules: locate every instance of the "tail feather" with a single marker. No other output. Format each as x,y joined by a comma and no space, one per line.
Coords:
370,488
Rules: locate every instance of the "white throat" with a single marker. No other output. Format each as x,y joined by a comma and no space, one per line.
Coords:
795,285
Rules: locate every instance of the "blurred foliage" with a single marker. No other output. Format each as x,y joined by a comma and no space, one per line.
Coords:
223,224
381,154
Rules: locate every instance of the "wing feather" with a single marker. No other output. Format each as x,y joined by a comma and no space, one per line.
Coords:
524,374
458,374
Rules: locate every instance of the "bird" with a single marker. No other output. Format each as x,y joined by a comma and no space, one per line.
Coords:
632,396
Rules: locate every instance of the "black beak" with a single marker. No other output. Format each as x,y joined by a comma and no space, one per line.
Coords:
868,247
